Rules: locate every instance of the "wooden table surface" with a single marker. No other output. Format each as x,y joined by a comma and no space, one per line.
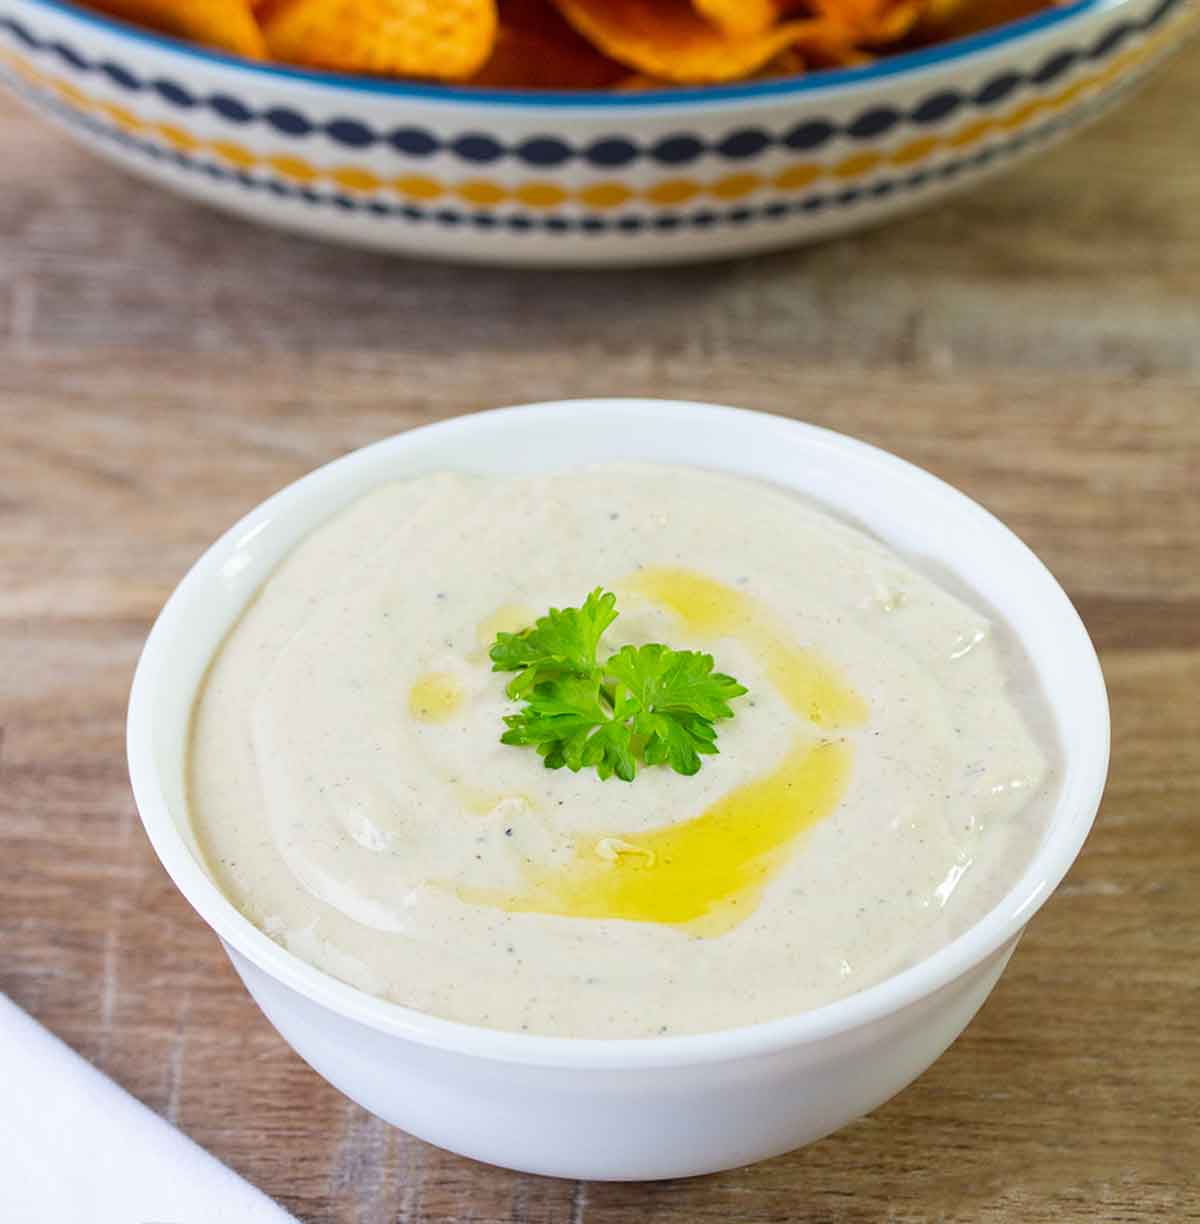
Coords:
1036,342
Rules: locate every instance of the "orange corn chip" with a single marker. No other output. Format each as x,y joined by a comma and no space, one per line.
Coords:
789,62
227,24
638,82
669,40
874,22
822,50
536,49
935,12
831,44
957,18
446,39
739,18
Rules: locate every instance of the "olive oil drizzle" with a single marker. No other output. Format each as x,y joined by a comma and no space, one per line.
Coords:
707,875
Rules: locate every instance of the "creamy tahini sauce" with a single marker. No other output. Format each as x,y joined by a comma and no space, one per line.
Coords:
877,790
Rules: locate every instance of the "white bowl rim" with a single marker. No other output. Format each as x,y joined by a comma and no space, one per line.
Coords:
907,63
992,932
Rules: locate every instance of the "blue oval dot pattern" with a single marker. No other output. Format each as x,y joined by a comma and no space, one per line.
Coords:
350,133
749,142
120,76
544,151
414,142
937,107
709,218
998,89
873,123
612,151
289,122
811,134
677,150
231,109
173,93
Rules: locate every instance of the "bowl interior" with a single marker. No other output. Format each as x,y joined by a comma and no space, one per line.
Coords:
907,508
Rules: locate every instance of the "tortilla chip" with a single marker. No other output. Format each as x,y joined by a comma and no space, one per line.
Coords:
537,49
570,44
446,39
872,22
739,18
667,39
943,19
639,82
935,12
226,24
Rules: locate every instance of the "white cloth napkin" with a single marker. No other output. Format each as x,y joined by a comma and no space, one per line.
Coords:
77,1149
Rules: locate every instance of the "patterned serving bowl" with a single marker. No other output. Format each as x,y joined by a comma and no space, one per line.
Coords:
554,178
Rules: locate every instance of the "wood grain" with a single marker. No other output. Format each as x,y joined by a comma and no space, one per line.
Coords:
1037,343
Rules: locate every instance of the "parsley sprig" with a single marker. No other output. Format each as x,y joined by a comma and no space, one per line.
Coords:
644,702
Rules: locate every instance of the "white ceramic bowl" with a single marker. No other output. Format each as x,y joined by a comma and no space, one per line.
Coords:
654,1107
519,177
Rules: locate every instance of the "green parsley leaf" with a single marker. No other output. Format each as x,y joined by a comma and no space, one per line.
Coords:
564,640
648,701
662,679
